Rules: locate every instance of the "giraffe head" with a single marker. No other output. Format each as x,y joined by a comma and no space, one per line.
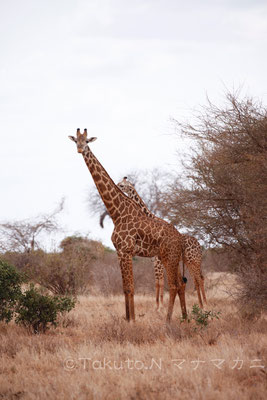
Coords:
126,186
81,140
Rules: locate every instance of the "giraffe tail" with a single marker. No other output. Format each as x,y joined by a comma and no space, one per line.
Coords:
184,278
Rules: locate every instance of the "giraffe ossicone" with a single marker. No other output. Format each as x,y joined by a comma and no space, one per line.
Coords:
135,233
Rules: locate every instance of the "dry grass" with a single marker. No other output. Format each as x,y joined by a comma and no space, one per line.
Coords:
95,354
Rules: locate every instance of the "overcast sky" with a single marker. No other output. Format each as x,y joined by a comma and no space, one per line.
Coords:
121,69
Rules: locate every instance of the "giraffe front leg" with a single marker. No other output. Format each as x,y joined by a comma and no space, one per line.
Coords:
128,284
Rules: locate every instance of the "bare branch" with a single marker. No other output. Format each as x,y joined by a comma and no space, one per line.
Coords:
23,235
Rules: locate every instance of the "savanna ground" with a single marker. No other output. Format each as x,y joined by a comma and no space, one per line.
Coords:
95,354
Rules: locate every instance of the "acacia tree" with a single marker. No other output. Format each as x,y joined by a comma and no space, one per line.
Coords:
222,196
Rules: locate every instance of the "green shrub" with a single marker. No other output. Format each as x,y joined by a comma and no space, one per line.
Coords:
38,312
202,317
10,290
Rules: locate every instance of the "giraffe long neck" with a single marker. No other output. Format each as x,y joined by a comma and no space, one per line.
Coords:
114,199
132,193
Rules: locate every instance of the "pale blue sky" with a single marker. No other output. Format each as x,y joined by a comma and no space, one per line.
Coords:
121,69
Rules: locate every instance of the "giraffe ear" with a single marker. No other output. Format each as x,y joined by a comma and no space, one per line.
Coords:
92,139
73,138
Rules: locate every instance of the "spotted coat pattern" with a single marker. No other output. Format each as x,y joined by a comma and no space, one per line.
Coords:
135,233
191,250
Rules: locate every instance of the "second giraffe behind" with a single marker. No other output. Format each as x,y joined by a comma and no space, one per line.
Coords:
191,251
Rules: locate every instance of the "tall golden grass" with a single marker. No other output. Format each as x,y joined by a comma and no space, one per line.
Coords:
95,354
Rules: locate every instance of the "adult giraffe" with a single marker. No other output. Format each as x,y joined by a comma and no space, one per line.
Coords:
135,233
191,250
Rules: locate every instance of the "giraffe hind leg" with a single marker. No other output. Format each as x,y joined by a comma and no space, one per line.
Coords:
194,269
161,288
181,294
159,282
197,285
172,295
157,293
203,289
176,285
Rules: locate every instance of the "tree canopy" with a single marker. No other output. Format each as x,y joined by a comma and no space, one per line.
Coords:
222,196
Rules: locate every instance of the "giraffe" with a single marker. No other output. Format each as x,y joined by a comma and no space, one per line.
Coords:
191,251
135,233
158,267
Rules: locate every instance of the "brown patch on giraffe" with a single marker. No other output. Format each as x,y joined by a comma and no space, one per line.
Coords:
105,180
112,210
101,186
113,193
108,198
116,202
92,166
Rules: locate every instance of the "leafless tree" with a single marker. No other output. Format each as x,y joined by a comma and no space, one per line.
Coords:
22,236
